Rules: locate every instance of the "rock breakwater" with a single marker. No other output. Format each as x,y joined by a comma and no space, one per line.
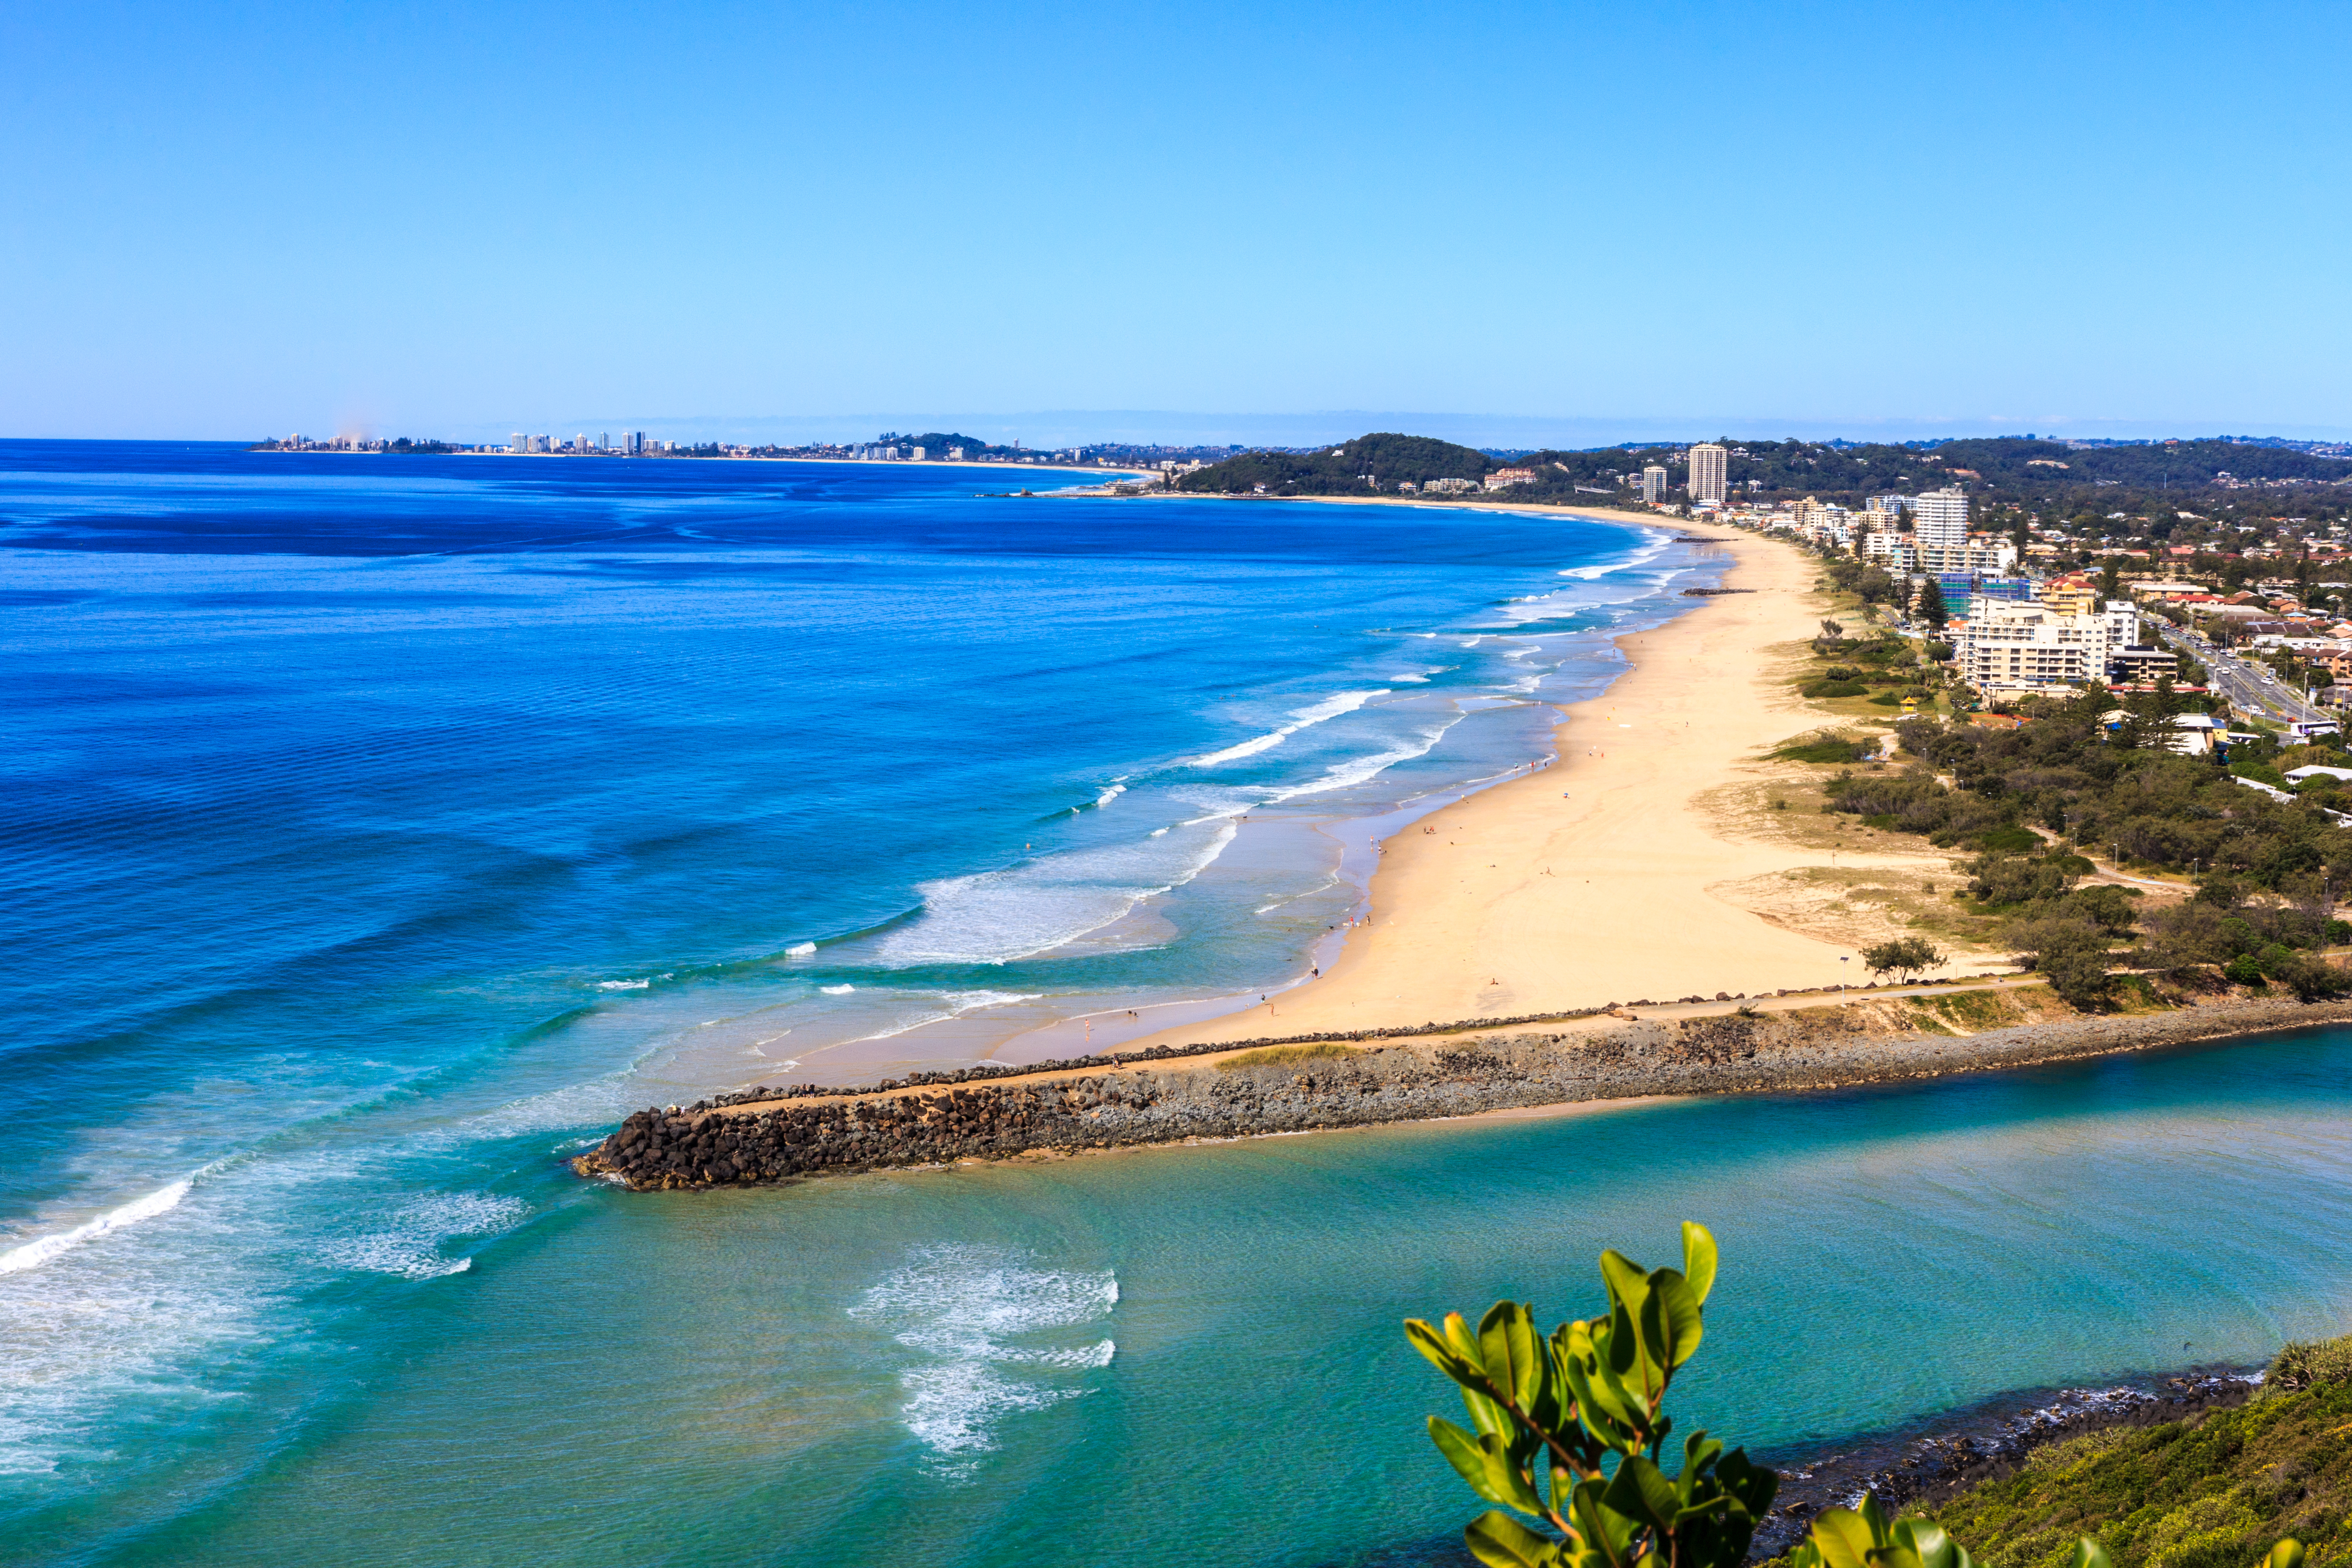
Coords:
1240,1093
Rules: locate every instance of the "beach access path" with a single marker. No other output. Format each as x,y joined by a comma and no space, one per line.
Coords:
1588,881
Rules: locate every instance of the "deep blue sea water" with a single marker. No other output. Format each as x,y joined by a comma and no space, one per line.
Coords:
378,829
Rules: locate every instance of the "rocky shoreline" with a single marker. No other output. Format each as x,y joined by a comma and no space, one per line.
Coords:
1986,1444
1238,1091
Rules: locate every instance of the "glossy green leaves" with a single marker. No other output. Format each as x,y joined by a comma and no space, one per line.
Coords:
1582,1411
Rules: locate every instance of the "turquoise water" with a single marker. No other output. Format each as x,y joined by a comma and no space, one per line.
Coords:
379,832
1193,1353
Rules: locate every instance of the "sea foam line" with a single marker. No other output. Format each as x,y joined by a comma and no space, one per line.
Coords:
1331,708
41,1249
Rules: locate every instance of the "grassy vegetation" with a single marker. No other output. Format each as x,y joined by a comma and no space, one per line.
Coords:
1279,1056
2212,1491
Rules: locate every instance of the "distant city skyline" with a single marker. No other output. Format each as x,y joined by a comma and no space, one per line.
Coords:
729,221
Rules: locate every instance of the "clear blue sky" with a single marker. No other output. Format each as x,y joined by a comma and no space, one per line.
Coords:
1586,220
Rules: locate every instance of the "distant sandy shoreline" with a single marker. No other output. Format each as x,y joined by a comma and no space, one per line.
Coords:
1588,881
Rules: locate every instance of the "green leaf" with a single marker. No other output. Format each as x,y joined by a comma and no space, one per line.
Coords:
1501,1541
1670,1320
1483,1463
1444,1353
2287,1553
1513,1352
1604,1530
1750,1482
1485,1414
2089,1553
1698,1259
1843,1539
1926,1538
1640,1491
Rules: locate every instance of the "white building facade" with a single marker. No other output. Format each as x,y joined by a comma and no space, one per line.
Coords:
2012,646
1708,464
1941,518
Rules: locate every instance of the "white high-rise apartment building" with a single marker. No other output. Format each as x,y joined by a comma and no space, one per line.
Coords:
1707,461
1653,483
2007,643
517,444
1939,519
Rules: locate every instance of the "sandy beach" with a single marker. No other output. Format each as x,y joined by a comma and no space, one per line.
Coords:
1590,881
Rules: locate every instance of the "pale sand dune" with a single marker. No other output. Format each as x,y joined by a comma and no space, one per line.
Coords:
1524,902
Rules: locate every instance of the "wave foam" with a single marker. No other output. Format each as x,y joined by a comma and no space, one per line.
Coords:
965,1307
1340,776
408,1242
800,950
837,990
996,916
1330,708
40,1251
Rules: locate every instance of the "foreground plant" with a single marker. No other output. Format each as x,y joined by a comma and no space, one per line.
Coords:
1551,1414
1569,1431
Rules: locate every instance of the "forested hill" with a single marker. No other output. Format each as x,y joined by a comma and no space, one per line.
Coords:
1369,465
2052,477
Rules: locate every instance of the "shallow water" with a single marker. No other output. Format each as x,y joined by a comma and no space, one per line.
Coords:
379,833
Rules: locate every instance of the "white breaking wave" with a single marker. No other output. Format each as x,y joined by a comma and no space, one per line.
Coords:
407,1242
959,1003
623,984
975,1314
1340,776
33,1253
1654,547
837,990
800,950
1108,796
1331,708
998,916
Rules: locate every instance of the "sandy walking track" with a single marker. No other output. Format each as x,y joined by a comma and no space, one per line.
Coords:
1587,882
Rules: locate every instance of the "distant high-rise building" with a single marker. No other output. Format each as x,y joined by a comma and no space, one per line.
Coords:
604,440
518,445
1707,461
633,443
1941,518
579,442
1653,483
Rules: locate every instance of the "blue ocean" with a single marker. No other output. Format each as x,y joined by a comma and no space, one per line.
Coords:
381,829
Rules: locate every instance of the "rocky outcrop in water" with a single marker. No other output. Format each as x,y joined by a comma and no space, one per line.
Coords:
1175,1099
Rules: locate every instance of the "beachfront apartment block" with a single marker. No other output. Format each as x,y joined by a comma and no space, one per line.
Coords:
1905,553
1653,484
1707,463
2005,645
1940,518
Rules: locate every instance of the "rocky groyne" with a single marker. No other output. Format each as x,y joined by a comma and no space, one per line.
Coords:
1292,1088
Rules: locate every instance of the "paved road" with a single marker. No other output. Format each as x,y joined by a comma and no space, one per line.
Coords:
2242,681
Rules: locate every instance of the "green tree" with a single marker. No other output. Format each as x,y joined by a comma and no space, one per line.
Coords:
1903,957
2071,954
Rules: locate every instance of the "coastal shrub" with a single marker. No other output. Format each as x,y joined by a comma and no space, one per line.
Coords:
1569,1429
1824,688
2307,1364
1823,747
1568,1432
1277,1055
